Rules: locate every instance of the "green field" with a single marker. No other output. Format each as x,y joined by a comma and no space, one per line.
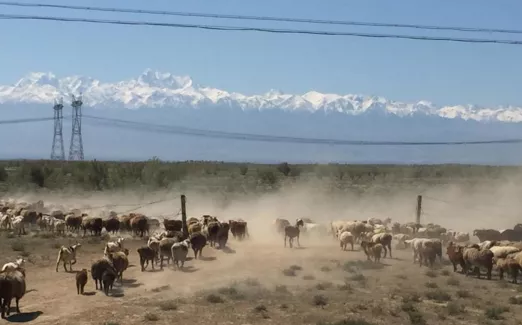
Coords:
233,177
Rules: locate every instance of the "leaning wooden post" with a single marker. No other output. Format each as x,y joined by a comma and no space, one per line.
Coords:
184,215
419,209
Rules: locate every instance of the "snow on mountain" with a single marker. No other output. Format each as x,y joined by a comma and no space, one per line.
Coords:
158,89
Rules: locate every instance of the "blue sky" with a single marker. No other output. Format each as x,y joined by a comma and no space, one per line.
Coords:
445,73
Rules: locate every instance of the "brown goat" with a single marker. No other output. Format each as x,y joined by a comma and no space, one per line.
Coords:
455,256
81,280
292,232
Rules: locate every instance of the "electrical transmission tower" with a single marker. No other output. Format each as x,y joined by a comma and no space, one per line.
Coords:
76,147
57,151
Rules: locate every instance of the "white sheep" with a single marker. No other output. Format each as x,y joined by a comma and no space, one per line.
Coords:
18,224
487,244
345,238
503,251
113,247
379,229
11,266
6,222
179,252
416,246
154,244
401,239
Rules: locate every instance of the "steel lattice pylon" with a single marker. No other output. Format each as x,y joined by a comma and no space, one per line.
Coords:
57,151
76,147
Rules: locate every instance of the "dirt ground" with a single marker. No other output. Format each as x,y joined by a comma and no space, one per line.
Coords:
259,282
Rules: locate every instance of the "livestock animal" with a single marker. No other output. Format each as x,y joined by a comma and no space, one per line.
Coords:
112,247
120,262
401,240
111,225
139,225
457,236
197,241
503,251
292,232
99,268
385,240
59,226
147,254
154,244
427,254
165,249
487,244
280,225
372,250
345,238
417,243
73,222
12,285
172,225
81,281
239,229
507,265
67,255
93,225
487,234
195,227
211,231
108,278
455,256
11,266
18,225
222,235
179,252
477,258
6,222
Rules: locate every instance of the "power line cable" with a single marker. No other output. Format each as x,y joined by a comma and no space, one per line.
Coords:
27,120
262,18
141,126
259,29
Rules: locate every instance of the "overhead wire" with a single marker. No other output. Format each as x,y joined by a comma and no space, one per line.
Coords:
179,130
27,120
260,18
172,129
261,29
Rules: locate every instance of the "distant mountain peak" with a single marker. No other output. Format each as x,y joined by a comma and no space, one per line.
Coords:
154,88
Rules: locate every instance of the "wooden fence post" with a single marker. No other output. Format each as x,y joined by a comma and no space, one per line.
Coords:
184,215
419,209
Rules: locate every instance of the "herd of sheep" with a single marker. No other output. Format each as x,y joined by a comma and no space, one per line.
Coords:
173,239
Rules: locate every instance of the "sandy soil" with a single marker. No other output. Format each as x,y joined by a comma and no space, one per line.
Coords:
248,284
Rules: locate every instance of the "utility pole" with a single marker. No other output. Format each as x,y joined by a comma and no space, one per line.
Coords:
76,146
57,151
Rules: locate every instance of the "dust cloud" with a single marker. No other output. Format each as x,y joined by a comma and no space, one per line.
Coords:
461,206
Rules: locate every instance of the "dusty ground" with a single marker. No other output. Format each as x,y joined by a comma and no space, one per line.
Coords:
251,284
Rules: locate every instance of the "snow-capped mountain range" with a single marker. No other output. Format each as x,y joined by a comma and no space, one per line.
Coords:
154,89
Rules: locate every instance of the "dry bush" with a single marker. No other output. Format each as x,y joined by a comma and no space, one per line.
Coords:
438,295
215,299
151,317
168,305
